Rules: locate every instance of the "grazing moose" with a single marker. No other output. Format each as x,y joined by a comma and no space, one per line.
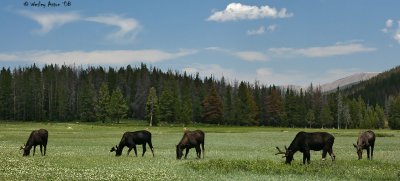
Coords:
366,140
131,139
304,142
37,137
190,139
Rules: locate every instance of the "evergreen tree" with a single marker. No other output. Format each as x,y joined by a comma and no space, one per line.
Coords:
228,106
87,101
117,108
346,117
394,114
275,108
380,116
212,107
6,95
152,107
102,103
246,107
167,106
310,117
326,117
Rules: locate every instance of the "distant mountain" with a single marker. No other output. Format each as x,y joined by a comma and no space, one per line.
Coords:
347,81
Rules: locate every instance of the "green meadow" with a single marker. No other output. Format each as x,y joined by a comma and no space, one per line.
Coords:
80,151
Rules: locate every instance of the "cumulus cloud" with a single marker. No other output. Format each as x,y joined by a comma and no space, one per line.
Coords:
327,51
238,11
49,21
127,27
391,30
95,57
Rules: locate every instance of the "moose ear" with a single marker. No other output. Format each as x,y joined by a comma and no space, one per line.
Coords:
21,148
355,146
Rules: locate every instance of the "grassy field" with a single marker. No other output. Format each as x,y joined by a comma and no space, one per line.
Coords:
81,152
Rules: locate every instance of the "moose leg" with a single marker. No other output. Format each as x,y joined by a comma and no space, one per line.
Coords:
41,152
372,151
324,151
198,151
129,150
306,156
332,154
368,153
45,149
144,149
34,149
151,147
134,149
187,151
202,147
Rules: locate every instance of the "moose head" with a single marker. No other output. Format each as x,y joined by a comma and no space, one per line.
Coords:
179,152
288,154
359,150
118,152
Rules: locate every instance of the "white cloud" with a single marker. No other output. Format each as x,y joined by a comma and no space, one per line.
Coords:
396,36
237,11
251,56
327,51
207,70
389,23
49,21
272,28
128,27
95,57
259,31
243,55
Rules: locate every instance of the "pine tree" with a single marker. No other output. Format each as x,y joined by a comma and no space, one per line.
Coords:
212,107
310,117
228,106
275,108
326,117
87,101
102,104
346,117
394,113
152,107
167,106
6,95
246,106
117,108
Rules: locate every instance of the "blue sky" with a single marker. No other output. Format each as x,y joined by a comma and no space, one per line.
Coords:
277,42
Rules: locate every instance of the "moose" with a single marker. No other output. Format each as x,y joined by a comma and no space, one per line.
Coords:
131,139
304,142
37,137
190,139
366,140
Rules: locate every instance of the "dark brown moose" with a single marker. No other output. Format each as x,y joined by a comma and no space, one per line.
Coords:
131,139
37,137
304,142
366,140
190,139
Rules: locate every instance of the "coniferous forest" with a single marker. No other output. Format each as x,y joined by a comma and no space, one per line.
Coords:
68,93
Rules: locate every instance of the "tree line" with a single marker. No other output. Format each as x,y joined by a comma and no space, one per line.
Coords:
66,93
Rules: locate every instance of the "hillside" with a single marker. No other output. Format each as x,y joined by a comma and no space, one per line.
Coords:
377,89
